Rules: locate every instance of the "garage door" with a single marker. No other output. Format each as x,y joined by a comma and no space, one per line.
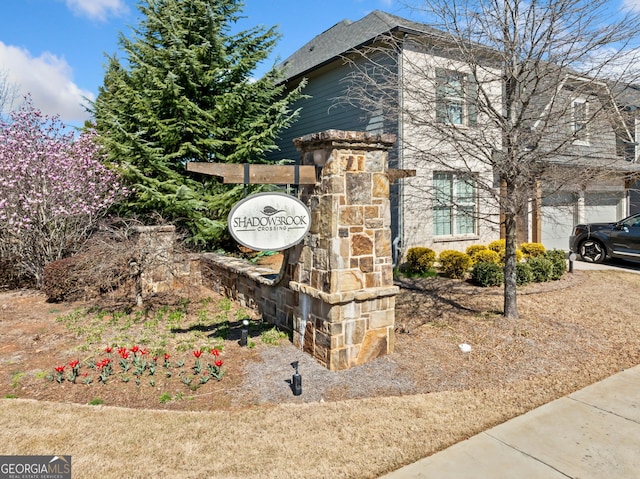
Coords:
557,225
603,207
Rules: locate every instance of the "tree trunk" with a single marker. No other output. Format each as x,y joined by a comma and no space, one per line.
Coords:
510,284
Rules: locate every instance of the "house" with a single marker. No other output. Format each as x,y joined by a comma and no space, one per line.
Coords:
412,83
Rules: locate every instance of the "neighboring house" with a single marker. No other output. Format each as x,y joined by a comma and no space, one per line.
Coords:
441,208
603,143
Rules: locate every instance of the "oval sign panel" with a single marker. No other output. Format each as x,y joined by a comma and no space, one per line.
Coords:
269,221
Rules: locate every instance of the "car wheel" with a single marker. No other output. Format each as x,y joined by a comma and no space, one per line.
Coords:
592,251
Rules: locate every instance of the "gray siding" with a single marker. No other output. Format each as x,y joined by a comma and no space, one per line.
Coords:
326,109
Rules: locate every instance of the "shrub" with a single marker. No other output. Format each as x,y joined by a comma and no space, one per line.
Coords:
485,256
102,266
498,246
60,281
454,264
559,260
420,259
475,248
487,274
531,250
519,256
541,268
524,274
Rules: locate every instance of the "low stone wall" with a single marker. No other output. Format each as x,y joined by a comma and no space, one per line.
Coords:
251,285
339,330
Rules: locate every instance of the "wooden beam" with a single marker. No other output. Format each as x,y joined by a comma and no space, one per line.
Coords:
233,173
396,174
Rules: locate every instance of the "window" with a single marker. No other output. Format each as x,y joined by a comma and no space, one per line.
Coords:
580,120
455,205
456,97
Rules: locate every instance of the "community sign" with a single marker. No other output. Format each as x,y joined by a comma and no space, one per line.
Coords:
269,221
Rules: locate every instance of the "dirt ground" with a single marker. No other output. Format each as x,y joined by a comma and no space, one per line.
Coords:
571,332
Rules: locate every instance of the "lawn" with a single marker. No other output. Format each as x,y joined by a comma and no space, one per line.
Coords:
358,423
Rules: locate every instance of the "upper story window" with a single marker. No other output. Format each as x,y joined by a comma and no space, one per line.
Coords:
579,121
456,96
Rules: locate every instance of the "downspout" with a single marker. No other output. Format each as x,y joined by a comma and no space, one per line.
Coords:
398,240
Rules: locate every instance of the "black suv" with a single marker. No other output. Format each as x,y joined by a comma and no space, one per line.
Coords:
597,241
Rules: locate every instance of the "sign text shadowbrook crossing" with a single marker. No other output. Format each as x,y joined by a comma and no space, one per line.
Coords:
269,221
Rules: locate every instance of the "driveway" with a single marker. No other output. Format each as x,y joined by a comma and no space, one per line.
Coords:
609,264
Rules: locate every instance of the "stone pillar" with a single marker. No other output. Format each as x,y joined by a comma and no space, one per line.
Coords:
343,276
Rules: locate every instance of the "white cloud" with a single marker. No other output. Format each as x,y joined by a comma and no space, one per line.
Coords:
97,9
631,4
48,79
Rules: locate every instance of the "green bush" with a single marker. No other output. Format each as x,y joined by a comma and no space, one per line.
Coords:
524,274
454,264
486,256
475,248
420,259
559,260
487,274
531,250
541,268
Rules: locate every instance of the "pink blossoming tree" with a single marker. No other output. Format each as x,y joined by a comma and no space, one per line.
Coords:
53,189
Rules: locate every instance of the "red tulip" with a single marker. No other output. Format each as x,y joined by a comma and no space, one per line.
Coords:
215,352
219,362
166,356
59,369
197,353
74,363
103,363
135,349
108,349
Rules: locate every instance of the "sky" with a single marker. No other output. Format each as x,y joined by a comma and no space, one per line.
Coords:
55,50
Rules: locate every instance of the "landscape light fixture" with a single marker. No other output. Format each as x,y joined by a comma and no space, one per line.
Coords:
296,381
244,333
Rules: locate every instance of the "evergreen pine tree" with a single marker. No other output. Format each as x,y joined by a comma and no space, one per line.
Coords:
184,92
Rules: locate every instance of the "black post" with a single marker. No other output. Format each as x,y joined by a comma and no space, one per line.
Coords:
296,383
244,333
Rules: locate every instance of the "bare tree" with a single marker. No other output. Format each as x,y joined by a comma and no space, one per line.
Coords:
8,92
517,99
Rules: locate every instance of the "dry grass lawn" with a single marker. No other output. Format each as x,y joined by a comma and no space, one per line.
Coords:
570,334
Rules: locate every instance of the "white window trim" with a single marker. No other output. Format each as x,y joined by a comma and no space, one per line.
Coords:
463,98
455,213
585,140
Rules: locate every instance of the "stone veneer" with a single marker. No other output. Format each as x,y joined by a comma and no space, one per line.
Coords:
343,277
335,292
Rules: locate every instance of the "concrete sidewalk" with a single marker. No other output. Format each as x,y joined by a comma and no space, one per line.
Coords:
593,433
